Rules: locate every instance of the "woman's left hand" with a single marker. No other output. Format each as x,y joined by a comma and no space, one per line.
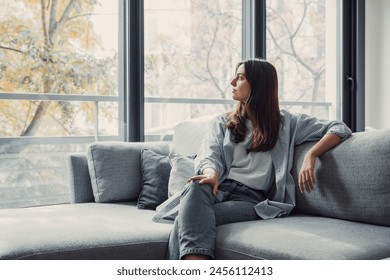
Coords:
306,174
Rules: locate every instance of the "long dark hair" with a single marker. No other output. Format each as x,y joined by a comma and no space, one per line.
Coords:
261,107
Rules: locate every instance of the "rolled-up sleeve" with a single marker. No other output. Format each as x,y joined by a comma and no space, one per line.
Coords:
341,130
313,129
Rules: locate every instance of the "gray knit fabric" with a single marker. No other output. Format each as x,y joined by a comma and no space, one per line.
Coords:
353,180
82,231
79,179
302,237
115,169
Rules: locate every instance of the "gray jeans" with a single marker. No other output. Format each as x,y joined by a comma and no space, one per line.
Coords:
194,230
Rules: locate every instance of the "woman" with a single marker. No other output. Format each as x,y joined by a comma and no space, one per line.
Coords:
243,167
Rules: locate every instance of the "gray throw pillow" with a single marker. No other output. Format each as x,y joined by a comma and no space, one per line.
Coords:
182,169
115,169
155,175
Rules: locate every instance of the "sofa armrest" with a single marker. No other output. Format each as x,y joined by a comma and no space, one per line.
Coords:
79,179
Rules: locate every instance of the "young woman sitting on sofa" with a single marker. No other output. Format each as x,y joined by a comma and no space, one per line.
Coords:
243,166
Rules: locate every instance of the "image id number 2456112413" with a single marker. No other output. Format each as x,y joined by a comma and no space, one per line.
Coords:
241,271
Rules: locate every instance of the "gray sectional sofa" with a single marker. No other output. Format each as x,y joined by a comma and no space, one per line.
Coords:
346,217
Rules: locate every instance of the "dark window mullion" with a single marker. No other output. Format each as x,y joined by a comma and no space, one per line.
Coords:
122,54
360,65
353,74
253,29
135,71
259,26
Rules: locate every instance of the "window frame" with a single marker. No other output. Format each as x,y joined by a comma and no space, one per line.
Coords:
134,70
353,63
253,45
254,29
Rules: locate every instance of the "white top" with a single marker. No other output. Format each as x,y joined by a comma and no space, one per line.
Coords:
254,169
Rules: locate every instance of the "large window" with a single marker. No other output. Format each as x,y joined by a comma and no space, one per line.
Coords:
59,92
192,47
61,86
302,42
191,50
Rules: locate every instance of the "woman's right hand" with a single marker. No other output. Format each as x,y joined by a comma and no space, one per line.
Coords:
209,176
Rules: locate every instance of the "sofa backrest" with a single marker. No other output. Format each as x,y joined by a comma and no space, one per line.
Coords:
353,179
79,179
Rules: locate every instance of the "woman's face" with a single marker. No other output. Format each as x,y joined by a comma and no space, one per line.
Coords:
240,85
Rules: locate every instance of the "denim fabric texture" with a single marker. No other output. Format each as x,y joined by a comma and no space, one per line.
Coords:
194,230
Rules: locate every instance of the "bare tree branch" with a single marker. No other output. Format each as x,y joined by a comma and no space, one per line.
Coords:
289,49
293,54
61,124
301,21
53,20
38,115
26,118
291,38
11,49
208,59
83,15
44,22
60,24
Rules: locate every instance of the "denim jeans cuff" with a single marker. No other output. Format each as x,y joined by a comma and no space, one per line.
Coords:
197,251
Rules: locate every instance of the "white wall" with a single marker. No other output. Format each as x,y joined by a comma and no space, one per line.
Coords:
377,64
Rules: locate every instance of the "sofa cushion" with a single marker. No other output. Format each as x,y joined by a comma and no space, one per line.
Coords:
182,169
302,237
115,169
155,176
352,179
82,231
188,136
